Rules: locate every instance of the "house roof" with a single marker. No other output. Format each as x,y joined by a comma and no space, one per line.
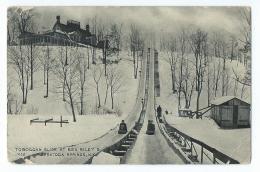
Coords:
224,99
72,28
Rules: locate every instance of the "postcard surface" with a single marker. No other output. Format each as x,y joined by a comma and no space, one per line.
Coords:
129,85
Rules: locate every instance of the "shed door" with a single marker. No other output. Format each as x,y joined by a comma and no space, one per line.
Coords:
235,115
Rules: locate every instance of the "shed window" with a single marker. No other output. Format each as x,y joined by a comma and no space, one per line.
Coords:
227,112
243,113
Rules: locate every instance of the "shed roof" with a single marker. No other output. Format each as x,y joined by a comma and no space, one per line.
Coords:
224,99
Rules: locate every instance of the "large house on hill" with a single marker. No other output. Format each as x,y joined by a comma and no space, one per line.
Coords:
61,34
73,31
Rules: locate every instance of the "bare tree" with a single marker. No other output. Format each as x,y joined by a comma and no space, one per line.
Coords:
245,14
216,42
115,81
172,61
93,22
23,20
12,27
216,77
116,32
47,60
136,45
233,47
68,77
82,69
224,72
188,83
198,43
182,39
107,89
21,63
14,106
208,83
97,74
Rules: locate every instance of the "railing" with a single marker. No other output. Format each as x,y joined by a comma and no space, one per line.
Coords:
37,120
196,150
188,148
156,74
41,39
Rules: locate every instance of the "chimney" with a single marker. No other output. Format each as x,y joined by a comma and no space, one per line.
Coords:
87,28
58,19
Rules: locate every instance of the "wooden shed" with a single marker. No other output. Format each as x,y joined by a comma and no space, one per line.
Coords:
231,112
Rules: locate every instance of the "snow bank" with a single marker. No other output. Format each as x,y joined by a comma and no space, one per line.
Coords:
236,143
23,135
105,158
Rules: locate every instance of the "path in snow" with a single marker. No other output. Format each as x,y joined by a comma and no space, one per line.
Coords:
152,149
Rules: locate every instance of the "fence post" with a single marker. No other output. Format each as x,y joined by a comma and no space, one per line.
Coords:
191,144
201,155
60,121
214,159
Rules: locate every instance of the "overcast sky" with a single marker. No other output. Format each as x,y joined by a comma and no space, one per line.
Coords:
166,19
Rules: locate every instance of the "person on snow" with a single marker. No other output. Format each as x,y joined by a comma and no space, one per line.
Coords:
122,128
159,111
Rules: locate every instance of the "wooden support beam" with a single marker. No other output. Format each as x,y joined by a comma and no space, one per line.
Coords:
60,121
201,155
45,122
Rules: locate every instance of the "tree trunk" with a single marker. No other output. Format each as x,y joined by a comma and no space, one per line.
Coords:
8,37
66,55
72,108
31,66
198,105
134,62
242,91
22,75
105,62
47,72
105,101
26,88
63,89
112,98
137,61
81,100
235,88
180,82
197,79
208,87
173,80
47,83
44,74
88,56
93,55
99,105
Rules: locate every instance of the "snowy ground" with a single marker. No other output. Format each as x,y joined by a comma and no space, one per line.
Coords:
151,149
169,100
105,158
88,127
23,135
234,142
37,104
